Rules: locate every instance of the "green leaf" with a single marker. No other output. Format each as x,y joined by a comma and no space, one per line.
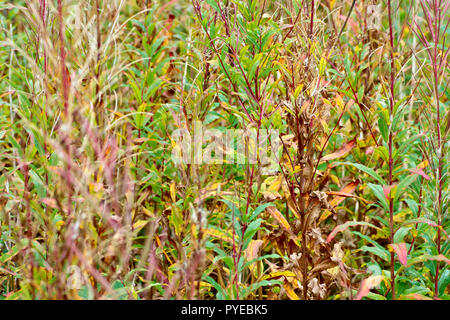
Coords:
370,241
264,283
360,93
383,254
258,210
383,126
250,232
378,191
375,296
403,185
38,184
413,206
444,281
400,234
267,256
367,170
232,207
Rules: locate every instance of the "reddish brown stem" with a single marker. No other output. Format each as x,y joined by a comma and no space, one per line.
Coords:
390,143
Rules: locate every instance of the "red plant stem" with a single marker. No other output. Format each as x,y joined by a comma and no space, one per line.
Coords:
293,24
42,9
26,196
439,180
391,200
433,15
326,143
65,88
355,94
235,88
64,75
419,213
98,65
311,27
234,255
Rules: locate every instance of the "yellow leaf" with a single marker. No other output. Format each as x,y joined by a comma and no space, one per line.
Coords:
400,217
290,293
414,296
252,250
148,212
333,271
219,234
423,164
138,225
59,224
275,186
332,3
172,191
277,274
339,101
298,90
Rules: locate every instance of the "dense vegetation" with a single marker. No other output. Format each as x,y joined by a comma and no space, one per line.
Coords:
94,203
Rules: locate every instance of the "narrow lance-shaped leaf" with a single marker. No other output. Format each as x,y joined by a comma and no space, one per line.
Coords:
400,250
344,226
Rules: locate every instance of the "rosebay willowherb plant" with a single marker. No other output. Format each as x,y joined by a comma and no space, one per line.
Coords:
223,149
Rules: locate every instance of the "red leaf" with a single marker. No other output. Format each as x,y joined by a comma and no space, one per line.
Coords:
368,284
420,172
344,226
369,150
346,148
343,193
49,202
387,190
400,250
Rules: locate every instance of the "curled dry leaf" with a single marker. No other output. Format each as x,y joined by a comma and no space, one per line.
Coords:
344,193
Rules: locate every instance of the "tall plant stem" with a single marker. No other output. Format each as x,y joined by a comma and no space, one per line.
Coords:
439,180
62,52
391,162
98,65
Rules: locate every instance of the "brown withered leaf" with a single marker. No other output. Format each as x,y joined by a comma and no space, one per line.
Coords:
251,253
324,265
340,196
252,250
280,219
